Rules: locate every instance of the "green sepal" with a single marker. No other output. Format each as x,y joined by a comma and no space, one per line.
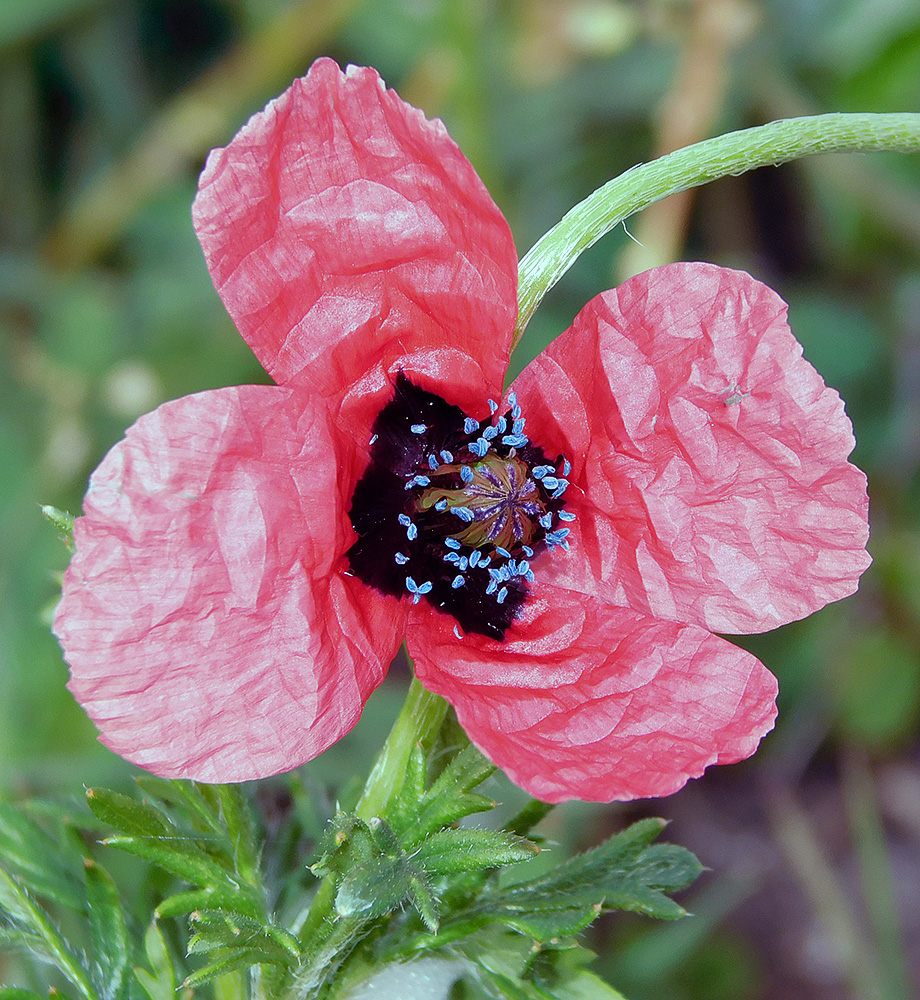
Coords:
42,864
63,521
451,852
161,981
111,946
375,887
445,811
346,841
424,901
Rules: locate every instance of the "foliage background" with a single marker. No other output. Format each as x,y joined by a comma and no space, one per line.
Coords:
107,109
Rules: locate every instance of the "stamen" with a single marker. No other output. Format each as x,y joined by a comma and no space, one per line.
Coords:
433,462
446,457
566,467
566,515
502,594
401,559
458,581
466,473
490,433
493,406
419,428
417,590
441,505
464,513
470,426
514,440
475,556
451,543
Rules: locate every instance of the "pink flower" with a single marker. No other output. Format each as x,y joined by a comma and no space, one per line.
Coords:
251,558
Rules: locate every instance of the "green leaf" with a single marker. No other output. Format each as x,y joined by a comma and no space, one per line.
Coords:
242,959
109,933
63,521
127,815
160,982
467,770
12,993
550,924
38,860
215,928
587,986
211,898
444,811
180,857
42,936
450,852
424,902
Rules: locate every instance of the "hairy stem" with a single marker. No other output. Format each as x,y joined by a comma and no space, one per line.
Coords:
734,153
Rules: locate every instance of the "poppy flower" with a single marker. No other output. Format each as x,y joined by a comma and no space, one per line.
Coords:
557,556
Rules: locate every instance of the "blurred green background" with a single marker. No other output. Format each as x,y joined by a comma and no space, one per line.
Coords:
107,109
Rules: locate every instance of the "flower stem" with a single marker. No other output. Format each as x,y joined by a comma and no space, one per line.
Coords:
734,153
418,721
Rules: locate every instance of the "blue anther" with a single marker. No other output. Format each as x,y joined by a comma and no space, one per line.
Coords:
511,567
518,426
374,438
470,426
493,586
484,561
458,581
502,425
463,564
496,574
412,532
560,489
523,568
457,632
479,447
502,552
422,480
466,473
527,550
464,513
433,462
566,467
475,556
512,398
490,432
446,456
452,543
502,594
539,471
546,521
550,482
528,576
452,557
441,505
419,428
566,515
493,406
514,440
404,520
401,559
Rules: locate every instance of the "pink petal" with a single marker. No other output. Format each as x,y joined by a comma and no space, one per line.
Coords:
710,470
586,700
348,236
210,630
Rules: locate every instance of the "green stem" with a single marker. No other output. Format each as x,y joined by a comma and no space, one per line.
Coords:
734,153
418,721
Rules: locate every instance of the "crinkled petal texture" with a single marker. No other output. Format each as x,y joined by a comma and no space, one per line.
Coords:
710,474
349,237
590,701
210,630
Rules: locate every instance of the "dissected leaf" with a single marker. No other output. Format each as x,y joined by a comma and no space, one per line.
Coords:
111,947
211,898
160,982
29,852
450,852
181,857
126,814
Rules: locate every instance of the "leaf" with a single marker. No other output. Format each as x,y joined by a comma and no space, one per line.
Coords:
214,928
127,815
109,933
63,521
180,857
12,993
211,898
43,936
424,902
160,983
38,860
586,986
227,963
552,924
450,852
